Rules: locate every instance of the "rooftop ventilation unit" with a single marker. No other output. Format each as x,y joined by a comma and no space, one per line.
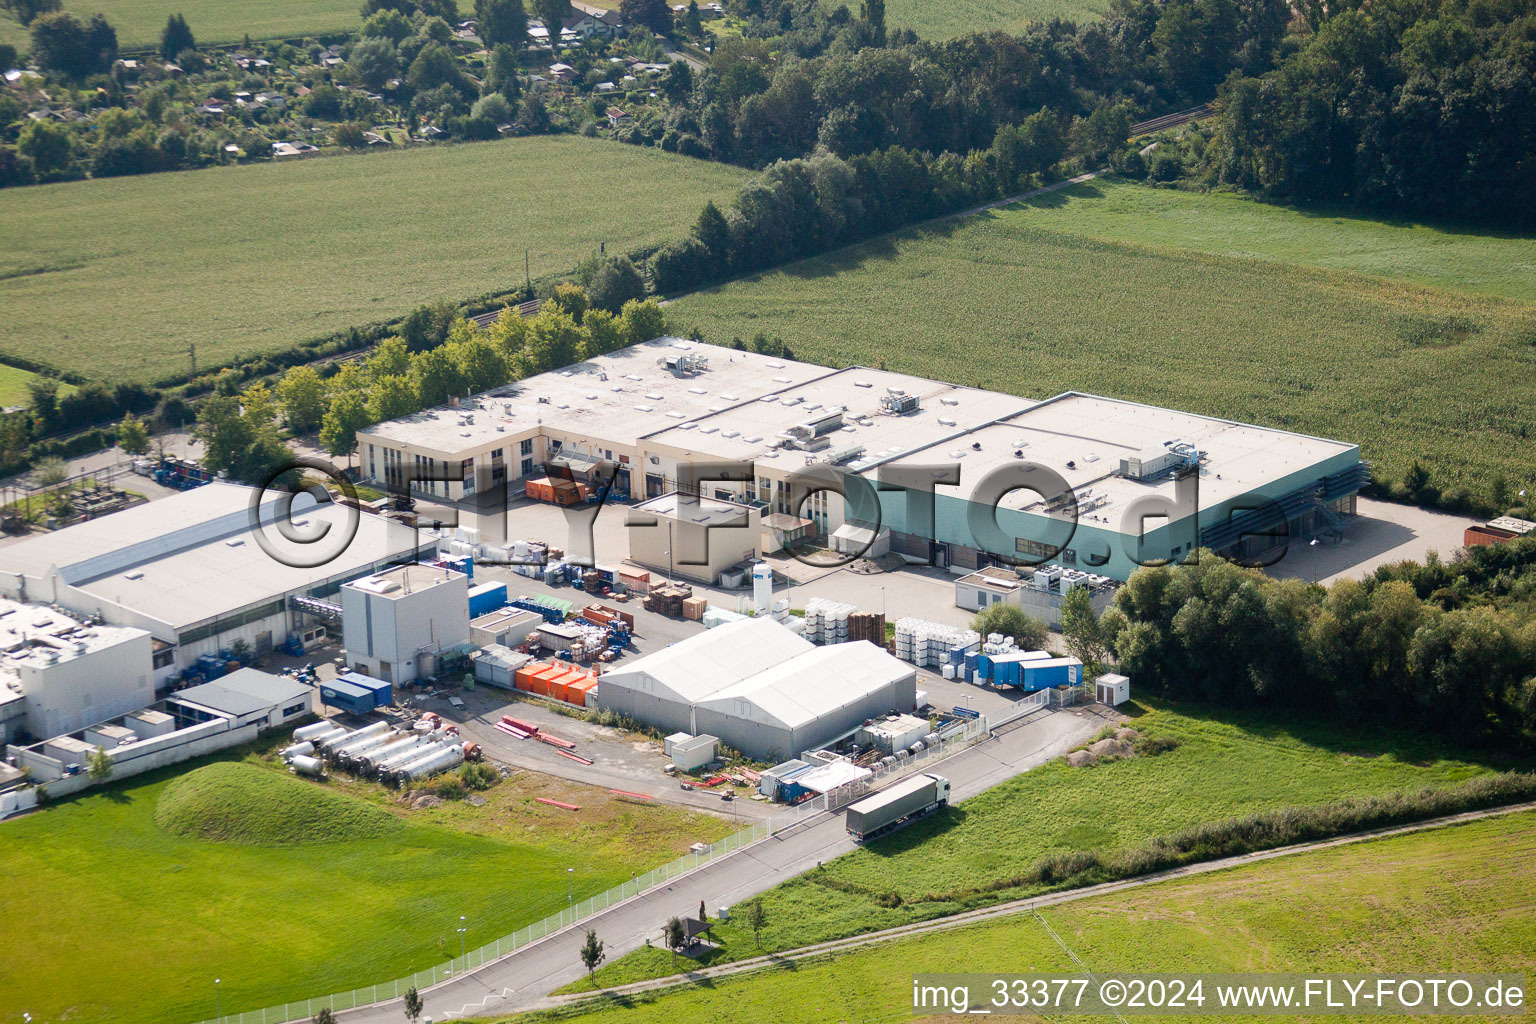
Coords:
684,364
1154,462
898,402
845,454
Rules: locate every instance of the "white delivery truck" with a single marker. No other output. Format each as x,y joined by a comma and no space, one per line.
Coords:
896,804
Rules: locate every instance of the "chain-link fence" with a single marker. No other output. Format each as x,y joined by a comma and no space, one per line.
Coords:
952,739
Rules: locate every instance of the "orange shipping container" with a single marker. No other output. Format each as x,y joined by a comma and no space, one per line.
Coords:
520,679
582,691
538,682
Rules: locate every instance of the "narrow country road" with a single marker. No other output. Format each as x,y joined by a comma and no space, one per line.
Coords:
521,979
1024,906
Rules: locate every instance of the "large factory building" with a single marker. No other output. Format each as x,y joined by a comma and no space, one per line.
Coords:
198,571
947,470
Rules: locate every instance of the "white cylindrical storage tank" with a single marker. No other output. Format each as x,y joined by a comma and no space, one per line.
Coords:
352,754
406,754
762,587
335,735
385,754
360,738
297,750
424,753
310,766
309,732
440,761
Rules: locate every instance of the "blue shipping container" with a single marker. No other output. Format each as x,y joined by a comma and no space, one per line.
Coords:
383,693
350,697
487,597
1039,675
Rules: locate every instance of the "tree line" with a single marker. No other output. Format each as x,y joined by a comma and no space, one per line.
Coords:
875,90
432,359
804,206
1421,106
1447,648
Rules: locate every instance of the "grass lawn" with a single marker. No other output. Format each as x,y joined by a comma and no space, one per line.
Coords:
139,22
1210,304
1455,899
239,871
1227,765
13,386
116,277
945,20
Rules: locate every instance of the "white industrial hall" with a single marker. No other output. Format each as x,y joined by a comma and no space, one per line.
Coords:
760,688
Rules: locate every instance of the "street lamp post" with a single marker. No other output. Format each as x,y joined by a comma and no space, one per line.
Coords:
462,929
569,892
218,999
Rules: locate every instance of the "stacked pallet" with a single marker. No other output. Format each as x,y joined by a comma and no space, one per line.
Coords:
867,626
928,644
826,621
693,607
668,599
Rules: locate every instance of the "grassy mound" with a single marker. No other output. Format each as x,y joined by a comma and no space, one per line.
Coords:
246,805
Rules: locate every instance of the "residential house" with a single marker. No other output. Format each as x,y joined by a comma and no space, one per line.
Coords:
563,73
589,19
617,117
293,150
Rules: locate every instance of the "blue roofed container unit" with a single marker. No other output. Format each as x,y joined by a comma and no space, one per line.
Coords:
1028,670
356,693
486,597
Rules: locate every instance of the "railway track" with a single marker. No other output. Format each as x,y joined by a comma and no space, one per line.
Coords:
524,309
1173,120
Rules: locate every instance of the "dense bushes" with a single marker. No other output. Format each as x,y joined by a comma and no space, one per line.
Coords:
1449,648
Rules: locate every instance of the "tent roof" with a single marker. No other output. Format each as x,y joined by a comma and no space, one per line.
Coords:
813,684
698,668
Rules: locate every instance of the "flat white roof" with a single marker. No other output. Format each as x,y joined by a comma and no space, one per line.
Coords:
687,508
1084,437
741,407
611,399
37,636
195,556
404,580
751,430
168,519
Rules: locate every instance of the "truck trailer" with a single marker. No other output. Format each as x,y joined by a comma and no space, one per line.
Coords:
896,805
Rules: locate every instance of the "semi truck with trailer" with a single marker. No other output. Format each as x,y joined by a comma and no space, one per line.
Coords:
896,805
